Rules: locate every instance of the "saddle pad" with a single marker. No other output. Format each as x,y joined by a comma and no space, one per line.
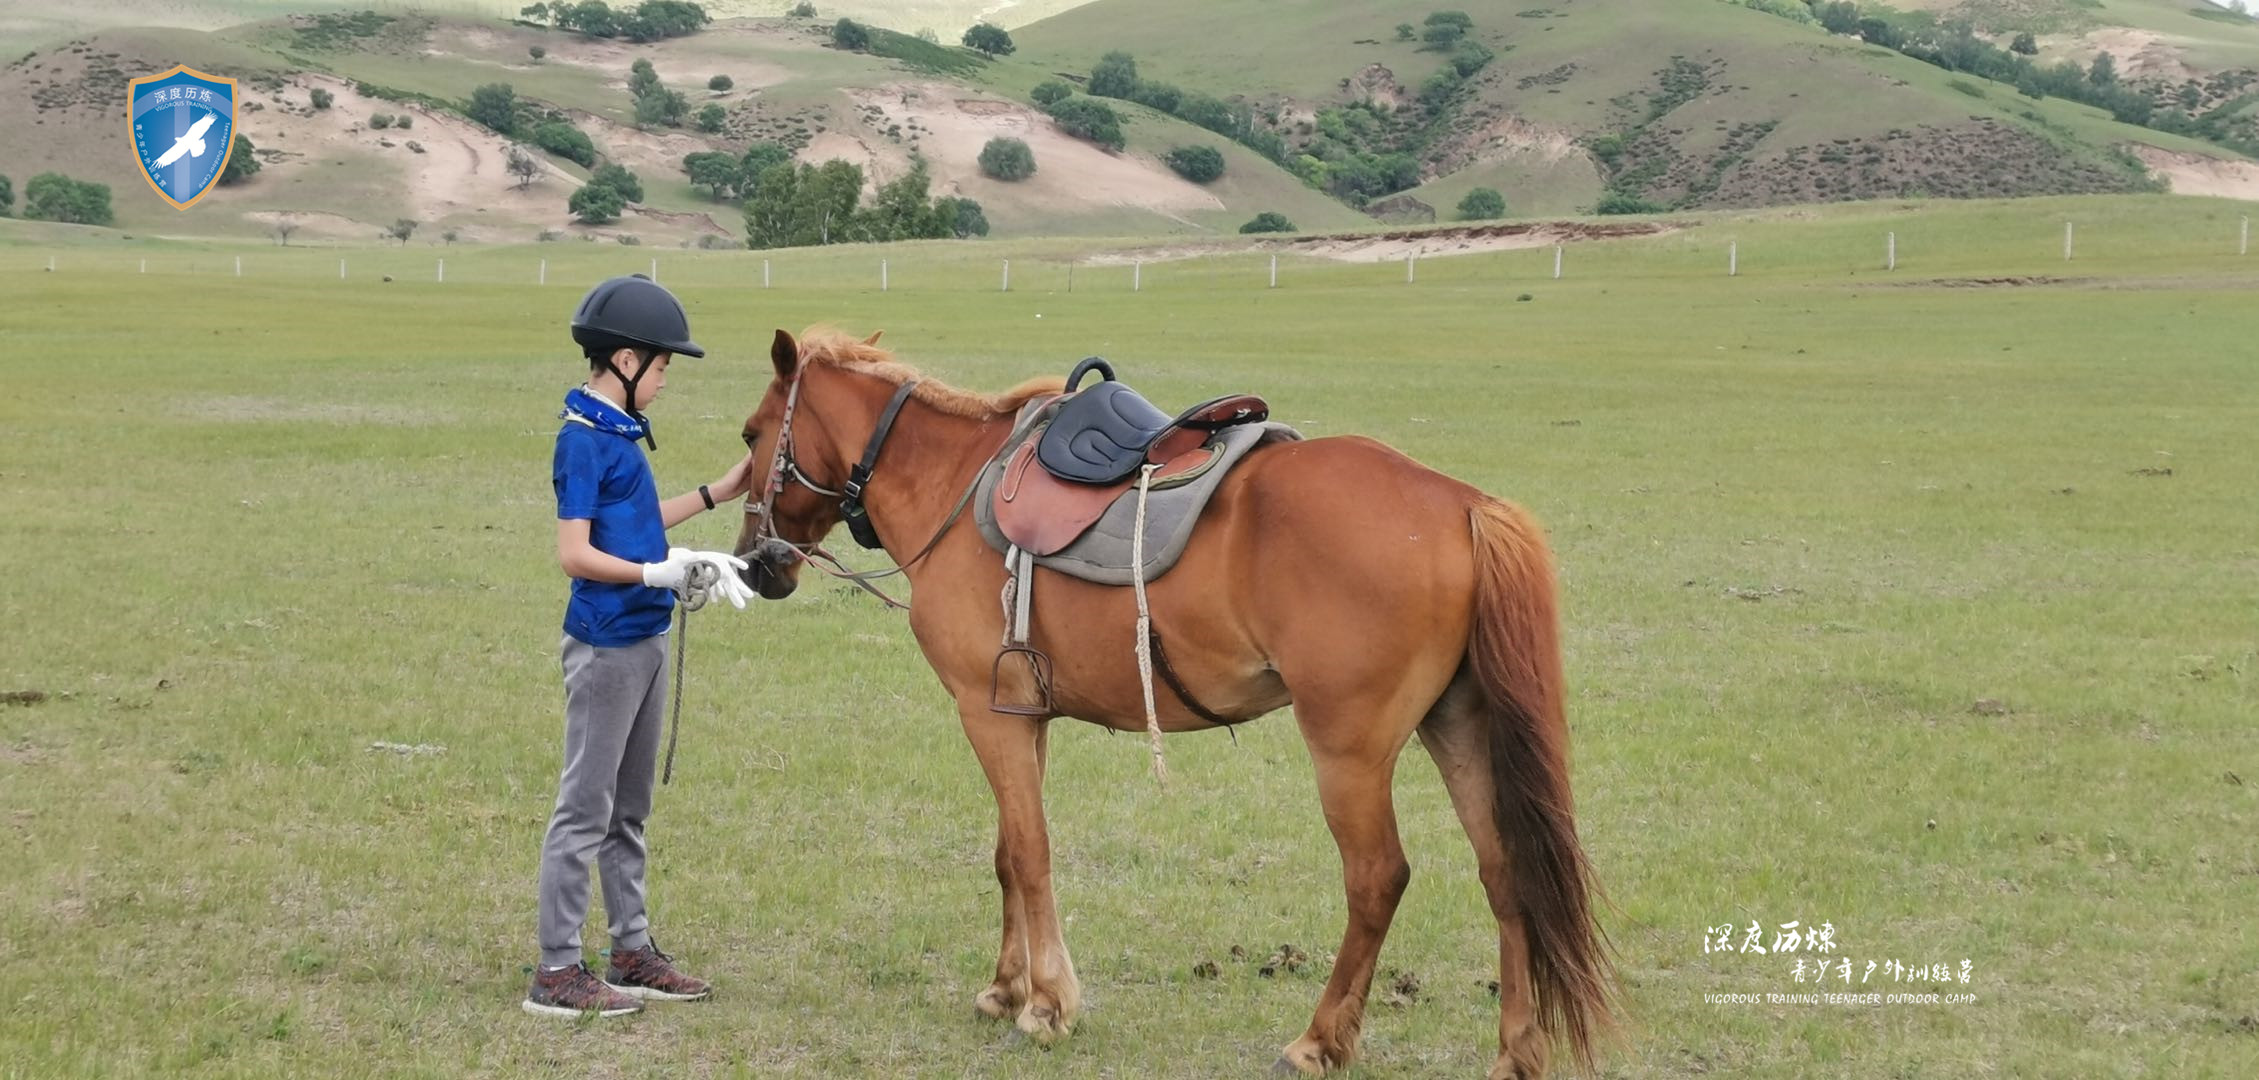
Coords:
1041,513
1102,553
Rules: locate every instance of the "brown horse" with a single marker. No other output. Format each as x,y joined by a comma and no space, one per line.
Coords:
1377,597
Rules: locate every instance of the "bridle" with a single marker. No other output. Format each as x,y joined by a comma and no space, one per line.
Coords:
784,469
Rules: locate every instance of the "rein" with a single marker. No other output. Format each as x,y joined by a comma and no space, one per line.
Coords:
784,469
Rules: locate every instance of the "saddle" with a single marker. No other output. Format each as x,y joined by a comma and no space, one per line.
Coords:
1086,453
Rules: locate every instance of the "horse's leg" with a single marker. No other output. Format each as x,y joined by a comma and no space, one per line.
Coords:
1355,753
1455,738
1011,752
1004,996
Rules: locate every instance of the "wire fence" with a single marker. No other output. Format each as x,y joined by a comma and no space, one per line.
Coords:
1908,252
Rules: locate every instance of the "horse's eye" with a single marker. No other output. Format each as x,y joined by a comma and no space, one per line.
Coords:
751,437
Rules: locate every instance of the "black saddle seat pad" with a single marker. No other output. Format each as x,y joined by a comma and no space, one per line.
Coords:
1101,434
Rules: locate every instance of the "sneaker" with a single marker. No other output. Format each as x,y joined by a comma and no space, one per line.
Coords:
575,991
650,974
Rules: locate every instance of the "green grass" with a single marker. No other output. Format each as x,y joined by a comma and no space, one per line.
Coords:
1806,519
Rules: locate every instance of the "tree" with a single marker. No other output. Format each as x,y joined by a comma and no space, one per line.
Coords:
1198,164
661,107
242,161
284,225
757,160
2024,45
617,177
808,204
1482,204
7,196
537,52
1115,76
642,79
1443,29
900,210
1405,32
803,10
1007,159
402,229
496,106
522,165
715,170
1090,118
2105,70
380,121
52,196
591,17
1875,31
322,98
566,141
993,40
1268,221
1839,17
596,204
850,35
720,84
534,13
1051,91
404,121
711,117
965,217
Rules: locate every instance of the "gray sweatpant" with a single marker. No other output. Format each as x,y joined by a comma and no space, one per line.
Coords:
615,703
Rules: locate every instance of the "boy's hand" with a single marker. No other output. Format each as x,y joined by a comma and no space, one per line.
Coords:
735,483
670,574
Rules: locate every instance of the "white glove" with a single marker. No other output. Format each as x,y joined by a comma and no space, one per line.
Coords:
672,573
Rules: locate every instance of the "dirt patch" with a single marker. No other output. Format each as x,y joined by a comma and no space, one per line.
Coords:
683,64
1506,138
2195,174
1997,282
1377,84
1071,175
1391,246
2142,54
1982,159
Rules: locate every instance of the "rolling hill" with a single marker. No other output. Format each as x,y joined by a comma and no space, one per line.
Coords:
1690,104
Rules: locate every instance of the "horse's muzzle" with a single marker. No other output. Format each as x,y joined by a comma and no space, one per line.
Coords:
770,569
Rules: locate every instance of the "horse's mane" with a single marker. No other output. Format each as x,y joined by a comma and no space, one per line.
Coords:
828,347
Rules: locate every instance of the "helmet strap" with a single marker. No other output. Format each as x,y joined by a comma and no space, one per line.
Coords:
634,413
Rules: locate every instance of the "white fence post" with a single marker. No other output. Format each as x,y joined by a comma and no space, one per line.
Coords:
2066,241
340,269
1733,258
543,279
1007,286
442,275
144,266
1408,269
764,273
1137,276
238,265
1556,262
654,268
882,275
2243,246
1274,271
1890,252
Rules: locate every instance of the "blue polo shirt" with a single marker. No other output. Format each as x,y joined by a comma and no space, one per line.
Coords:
602,477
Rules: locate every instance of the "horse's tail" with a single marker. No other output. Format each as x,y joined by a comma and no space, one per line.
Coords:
1515,652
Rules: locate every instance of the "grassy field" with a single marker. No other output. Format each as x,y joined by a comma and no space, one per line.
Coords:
1917,608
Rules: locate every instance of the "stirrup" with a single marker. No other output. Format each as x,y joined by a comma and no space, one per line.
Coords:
1037,663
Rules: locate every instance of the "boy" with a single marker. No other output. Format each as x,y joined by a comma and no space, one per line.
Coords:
612,541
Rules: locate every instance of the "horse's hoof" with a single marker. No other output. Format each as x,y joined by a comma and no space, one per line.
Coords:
992,1005
1285,1066
1041,1025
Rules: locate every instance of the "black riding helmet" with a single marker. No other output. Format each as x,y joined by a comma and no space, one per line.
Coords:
632,312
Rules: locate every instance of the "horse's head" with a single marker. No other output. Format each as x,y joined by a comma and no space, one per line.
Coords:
800,466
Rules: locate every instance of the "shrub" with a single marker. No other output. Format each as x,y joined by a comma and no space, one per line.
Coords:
710,118
381,121
496,106
1481,204
537,52
617,177
1090,118
1007,159
404,121
720,83
1199,164
1624,202
1051,92
1268,222
242,160
992,40
596,204
1115,76
52,196
322,98
850,35
803,10
566,141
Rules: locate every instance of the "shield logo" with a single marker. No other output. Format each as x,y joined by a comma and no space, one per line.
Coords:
184,130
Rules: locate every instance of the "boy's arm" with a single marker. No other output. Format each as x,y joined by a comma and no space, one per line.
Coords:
580,559
732,485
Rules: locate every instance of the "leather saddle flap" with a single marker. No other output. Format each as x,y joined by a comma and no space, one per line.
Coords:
1042,514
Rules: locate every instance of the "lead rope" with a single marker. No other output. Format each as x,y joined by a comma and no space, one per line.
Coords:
697,582
1145,626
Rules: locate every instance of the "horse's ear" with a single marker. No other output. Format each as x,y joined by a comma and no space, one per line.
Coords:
785,353
873,339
